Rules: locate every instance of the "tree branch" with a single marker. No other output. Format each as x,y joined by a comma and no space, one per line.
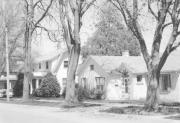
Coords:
85,8
35,4
150,9
43,15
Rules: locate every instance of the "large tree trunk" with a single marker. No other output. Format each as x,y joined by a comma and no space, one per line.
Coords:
28,40
71,95
27,65
152,97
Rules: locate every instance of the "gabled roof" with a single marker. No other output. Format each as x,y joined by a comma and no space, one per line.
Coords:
110,63
60,59
173,62
48,57
135,64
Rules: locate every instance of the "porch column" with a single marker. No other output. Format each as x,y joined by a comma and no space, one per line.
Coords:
37,83
10,85
31,88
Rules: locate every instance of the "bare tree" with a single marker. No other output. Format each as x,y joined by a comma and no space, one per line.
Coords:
11,20
71,13
167,14
31,24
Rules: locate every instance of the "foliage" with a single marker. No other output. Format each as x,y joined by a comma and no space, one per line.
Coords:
12,20
111,37
18,88
48,88
84,93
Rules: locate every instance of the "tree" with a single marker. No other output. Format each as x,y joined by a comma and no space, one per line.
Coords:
166,13
11,20
32,22
111,37
71,13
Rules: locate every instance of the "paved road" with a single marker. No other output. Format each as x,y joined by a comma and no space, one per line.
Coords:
12,113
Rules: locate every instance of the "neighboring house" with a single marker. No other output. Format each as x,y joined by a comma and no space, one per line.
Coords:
56,63
60,68
41,66
14,68
124,77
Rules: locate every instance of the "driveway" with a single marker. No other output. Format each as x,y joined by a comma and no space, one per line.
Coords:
13,113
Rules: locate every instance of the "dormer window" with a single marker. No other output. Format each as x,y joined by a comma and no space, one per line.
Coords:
91,67
65,64
47,65
39,65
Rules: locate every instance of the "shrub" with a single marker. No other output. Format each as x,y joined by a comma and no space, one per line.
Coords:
89,94
18,87
49,87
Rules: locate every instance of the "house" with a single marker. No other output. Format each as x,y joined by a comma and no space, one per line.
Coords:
56,63
124,77
42,65
60,69
15,67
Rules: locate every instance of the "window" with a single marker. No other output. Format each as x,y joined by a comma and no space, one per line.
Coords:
64,81
47,65
139,78
165,82
40,80
84,83
100,82
91,67
65,64
39,65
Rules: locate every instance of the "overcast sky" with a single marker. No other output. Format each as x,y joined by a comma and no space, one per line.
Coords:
44,46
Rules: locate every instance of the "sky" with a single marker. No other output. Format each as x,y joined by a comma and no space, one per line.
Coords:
44,46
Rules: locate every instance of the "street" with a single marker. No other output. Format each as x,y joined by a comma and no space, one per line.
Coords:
13,113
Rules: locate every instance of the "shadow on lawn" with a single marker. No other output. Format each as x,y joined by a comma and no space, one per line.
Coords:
139,110
177,117
80,105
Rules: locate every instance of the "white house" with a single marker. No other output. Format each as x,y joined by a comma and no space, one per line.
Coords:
56,63
15,67
124,77
41,66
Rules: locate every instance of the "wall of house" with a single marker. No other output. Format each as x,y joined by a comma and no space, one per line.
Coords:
91,75
138,88
114,89
43,66
173,94
62,73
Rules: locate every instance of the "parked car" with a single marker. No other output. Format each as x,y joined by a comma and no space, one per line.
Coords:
3,93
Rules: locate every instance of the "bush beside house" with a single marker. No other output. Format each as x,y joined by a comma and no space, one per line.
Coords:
18,88
49,87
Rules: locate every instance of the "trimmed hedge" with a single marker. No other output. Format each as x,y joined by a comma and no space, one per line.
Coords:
18,87
49,87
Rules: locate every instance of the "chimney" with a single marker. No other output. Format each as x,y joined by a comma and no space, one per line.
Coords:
125,53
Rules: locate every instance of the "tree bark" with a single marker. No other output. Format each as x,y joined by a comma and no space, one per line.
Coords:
71,95
152,97
28,40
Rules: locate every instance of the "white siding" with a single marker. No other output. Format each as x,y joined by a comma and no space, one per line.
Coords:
61,73
139,89
90,76
174,93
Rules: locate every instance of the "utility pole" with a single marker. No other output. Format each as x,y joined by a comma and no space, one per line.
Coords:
7,51
7,65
